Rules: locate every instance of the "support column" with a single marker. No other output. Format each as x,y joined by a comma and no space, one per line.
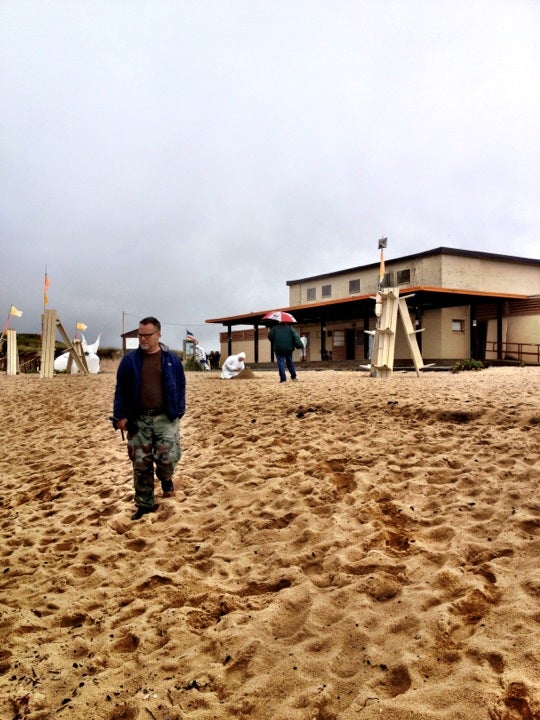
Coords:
473,335
323,340
256,344
366,336
499,330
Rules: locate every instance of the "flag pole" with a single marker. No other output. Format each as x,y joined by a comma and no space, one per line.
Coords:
383,242
4,331
7,322
12,311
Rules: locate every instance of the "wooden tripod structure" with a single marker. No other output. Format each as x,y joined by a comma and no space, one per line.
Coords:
382,355
50,324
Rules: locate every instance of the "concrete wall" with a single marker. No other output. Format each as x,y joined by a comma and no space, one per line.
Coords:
298,292
445,271
492,276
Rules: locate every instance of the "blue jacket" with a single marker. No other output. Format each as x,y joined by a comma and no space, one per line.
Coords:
128,385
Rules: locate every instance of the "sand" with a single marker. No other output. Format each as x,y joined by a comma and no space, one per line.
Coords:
339,548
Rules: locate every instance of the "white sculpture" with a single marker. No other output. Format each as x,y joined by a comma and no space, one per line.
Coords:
90,353
233,366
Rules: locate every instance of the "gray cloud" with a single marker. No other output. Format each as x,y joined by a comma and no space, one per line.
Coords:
186,159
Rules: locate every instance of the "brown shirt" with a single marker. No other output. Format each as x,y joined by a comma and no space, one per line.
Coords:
151,384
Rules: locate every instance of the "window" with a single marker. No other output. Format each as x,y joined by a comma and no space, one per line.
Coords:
326,291
388,280
339,338
311,293
458,326
354,286
403,276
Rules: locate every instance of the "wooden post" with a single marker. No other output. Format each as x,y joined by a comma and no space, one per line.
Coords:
12,353
48,336
410,333
80,361
77,347
382,357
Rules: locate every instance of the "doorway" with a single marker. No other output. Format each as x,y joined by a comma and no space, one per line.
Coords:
350,344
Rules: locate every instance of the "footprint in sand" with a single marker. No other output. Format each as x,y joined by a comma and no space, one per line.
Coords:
289,611
128,643
349,660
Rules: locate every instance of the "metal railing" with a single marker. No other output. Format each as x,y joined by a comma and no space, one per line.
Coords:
520,352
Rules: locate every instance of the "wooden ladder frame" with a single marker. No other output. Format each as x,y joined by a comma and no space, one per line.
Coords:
384,343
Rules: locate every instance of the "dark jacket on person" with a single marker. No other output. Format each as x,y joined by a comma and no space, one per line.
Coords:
127,394
284,339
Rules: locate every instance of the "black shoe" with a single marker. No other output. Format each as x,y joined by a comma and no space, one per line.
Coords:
143,511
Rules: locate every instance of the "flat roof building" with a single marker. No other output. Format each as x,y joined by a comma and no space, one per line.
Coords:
470,305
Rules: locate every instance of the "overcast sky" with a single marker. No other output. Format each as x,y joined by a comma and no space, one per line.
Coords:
185,158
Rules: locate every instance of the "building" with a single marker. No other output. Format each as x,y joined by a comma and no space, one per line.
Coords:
465,304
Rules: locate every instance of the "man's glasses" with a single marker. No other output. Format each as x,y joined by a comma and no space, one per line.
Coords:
146,335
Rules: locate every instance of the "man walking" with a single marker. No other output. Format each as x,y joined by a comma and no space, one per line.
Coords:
284,339
149,400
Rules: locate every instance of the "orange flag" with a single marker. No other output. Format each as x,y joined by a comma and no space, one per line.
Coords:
381,268
45,289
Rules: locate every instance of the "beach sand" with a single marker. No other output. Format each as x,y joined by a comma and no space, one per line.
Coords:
339,548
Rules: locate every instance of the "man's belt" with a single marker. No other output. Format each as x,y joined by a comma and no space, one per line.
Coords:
153,413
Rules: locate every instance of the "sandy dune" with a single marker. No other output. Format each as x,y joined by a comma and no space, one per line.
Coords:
340,548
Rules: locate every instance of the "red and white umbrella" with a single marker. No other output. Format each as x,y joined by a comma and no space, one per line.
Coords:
279,316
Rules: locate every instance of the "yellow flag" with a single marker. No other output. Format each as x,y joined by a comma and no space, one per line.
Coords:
381,268
14,311
81,326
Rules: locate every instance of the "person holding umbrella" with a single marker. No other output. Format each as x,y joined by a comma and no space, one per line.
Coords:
284,340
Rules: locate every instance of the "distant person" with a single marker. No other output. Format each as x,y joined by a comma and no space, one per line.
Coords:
304,340
284,340
200,353
233,365
149,400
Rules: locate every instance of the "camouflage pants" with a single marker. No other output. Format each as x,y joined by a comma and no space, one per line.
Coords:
156,443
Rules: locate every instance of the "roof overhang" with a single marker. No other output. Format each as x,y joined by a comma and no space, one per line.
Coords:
359,306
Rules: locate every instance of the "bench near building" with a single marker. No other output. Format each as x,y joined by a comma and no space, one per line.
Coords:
470,305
